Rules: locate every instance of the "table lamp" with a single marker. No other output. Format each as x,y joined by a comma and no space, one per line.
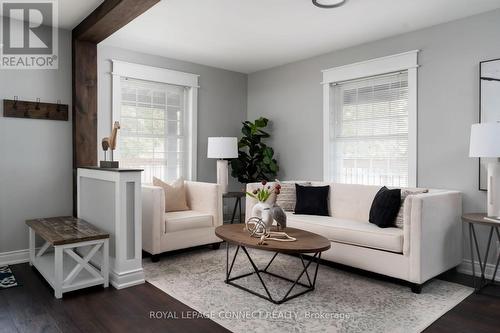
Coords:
222,148
485,142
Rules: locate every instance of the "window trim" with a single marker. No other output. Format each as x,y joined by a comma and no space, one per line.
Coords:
407,61
167,76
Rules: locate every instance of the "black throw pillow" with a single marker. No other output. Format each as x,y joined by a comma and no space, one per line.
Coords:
312,200
385,207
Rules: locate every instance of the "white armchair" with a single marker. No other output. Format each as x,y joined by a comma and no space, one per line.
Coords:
162,232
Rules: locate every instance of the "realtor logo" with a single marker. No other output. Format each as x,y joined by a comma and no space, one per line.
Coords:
29,34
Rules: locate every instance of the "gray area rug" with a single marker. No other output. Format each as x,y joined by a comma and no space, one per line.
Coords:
342,301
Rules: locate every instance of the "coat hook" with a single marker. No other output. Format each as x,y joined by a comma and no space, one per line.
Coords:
58,105
15,102
37,107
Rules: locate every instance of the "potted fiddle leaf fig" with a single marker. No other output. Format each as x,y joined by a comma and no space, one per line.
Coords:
255,160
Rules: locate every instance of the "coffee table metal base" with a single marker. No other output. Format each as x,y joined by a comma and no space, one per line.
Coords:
305,264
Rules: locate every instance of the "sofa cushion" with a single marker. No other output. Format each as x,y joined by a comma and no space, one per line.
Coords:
175,194
351,201
385,207
188,219
312,200
405,192
287,197
350,231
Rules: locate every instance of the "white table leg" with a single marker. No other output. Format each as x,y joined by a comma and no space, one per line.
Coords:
105,263
58,271
32,246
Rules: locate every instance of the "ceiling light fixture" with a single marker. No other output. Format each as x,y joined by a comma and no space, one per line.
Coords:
328,3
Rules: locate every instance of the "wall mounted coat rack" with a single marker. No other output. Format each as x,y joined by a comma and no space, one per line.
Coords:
34,110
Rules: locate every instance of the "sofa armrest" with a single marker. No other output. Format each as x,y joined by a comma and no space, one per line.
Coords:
153,212
205,198
435,234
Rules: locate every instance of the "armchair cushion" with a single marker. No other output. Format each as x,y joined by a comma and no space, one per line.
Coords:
189,219
175,194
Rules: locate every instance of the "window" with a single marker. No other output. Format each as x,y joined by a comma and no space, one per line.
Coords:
369,140
370,130
156,108
153,130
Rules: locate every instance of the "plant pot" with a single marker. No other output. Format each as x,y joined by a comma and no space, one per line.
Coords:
263,211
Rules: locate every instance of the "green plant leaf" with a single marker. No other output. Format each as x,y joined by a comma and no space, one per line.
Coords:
255,159
261,122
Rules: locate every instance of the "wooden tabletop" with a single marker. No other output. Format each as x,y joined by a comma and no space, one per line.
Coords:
307,242
65,230
478,218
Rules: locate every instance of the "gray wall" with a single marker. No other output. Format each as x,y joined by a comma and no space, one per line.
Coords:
291,96
222,100
35,155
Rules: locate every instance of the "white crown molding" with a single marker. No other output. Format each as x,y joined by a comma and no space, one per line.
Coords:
367,68
156,74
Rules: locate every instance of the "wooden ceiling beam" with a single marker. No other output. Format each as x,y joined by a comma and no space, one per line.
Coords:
109,17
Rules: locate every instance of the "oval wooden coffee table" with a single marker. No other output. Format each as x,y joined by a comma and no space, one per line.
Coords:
307,242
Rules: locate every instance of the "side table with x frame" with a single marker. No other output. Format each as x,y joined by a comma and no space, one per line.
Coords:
311,281
472,220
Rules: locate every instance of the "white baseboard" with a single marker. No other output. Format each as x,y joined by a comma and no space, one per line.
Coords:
466,268
14,257
126,279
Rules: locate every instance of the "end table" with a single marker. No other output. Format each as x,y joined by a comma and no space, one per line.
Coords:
479,218
237,203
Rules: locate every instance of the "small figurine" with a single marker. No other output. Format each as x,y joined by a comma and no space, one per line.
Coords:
110,143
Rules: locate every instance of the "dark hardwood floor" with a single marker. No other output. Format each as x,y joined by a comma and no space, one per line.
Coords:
478,313
32,308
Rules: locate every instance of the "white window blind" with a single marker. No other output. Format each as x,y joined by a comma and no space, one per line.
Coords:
369,131
152,136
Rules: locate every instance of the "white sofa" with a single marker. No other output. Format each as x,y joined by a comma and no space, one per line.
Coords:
429,244
162,232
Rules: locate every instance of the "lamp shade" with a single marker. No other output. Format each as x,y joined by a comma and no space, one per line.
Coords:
222,147
485,140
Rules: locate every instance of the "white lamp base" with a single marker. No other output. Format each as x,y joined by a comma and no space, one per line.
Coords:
222,175
494,188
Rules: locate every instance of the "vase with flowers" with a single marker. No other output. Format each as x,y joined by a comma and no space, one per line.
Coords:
263,209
